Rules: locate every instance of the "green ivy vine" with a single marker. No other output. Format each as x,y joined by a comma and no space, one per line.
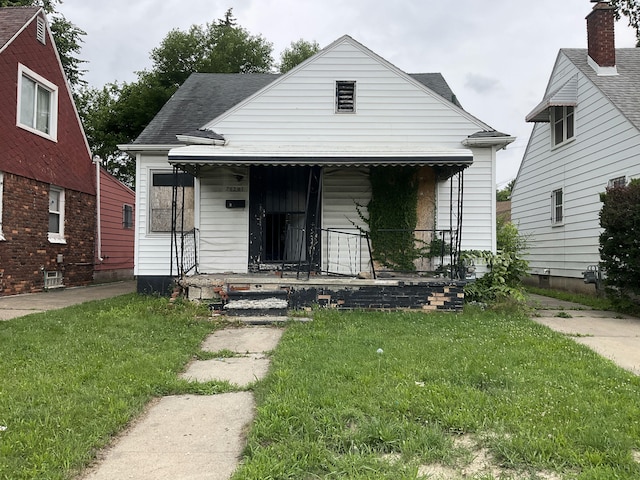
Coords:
392,216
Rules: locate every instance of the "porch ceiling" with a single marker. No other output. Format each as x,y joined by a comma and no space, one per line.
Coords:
201,155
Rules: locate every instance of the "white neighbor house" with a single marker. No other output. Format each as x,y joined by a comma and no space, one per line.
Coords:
586,137
267,151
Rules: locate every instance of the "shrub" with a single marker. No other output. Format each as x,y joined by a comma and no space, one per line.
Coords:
506,268
619,244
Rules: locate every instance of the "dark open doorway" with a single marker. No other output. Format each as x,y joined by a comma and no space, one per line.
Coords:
284,205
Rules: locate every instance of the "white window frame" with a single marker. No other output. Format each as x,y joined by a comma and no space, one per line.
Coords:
25,72
566,120
620,181
57,237
1,203
557,207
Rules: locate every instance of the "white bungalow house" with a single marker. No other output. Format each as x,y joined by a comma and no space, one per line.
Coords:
586,137
274,170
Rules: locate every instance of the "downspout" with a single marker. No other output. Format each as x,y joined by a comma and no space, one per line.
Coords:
97,160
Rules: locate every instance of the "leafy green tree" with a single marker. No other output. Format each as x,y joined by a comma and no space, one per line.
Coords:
619,246
505,193
631,10
118,113
218,47
296,53
68,38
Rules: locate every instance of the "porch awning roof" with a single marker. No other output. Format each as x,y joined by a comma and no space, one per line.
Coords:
565,96
276,155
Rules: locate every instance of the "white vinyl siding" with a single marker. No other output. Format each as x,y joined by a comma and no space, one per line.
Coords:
224,232
152,249
479,209
606,146
344,191
299,108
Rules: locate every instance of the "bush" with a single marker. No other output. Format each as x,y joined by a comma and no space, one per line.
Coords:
619,243
506,268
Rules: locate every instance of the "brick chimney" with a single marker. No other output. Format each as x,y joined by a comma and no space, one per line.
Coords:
601,38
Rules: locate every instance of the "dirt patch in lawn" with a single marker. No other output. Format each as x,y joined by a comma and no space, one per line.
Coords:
478,464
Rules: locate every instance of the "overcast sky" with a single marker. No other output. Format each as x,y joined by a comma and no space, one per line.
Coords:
496,55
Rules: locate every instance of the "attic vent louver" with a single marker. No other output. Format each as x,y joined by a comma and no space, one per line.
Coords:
40,31
345,96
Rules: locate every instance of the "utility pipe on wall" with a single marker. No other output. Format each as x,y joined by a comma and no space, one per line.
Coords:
98,161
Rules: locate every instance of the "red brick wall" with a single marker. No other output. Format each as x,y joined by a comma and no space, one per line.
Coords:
26,250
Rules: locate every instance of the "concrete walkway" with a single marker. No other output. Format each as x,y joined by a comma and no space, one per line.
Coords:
612,335
196,437
14,306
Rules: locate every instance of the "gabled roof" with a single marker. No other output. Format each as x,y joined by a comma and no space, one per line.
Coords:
623,89
205,96
12,20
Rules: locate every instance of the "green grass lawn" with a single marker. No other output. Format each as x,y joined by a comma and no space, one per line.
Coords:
71,378
350,395
444,388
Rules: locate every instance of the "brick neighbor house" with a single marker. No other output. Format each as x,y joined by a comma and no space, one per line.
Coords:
47,179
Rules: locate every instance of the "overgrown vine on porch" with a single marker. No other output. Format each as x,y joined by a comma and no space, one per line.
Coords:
392,216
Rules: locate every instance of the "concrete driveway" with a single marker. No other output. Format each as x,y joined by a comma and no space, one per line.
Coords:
18,305
612,335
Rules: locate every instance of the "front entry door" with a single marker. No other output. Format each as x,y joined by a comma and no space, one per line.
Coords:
284,211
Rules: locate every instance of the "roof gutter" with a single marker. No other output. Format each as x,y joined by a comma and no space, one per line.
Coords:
487,142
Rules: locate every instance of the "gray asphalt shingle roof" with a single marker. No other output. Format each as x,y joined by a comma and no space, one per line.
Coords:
205,96
12,19
622,89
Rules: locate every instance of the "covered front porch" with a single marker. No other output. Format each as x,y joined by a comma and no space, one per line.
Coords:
295,222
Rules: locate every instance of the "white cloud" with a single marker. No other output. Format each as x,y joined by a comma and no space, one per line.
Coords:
496,56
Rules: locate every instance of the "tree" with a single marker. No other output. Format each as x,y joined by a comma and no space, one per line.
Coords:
505,193
631,10
297,53
619,245
68,38
218,47
118,113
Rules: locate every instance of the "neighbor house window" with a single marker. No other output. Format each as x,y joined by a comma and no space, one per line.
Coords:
563,124
127,216
617,182
345,97
56,215
161,199
37,103
557,207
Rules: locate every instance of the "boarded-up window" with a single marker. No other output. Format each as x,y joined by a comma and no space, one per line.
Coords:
161,199
345,96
